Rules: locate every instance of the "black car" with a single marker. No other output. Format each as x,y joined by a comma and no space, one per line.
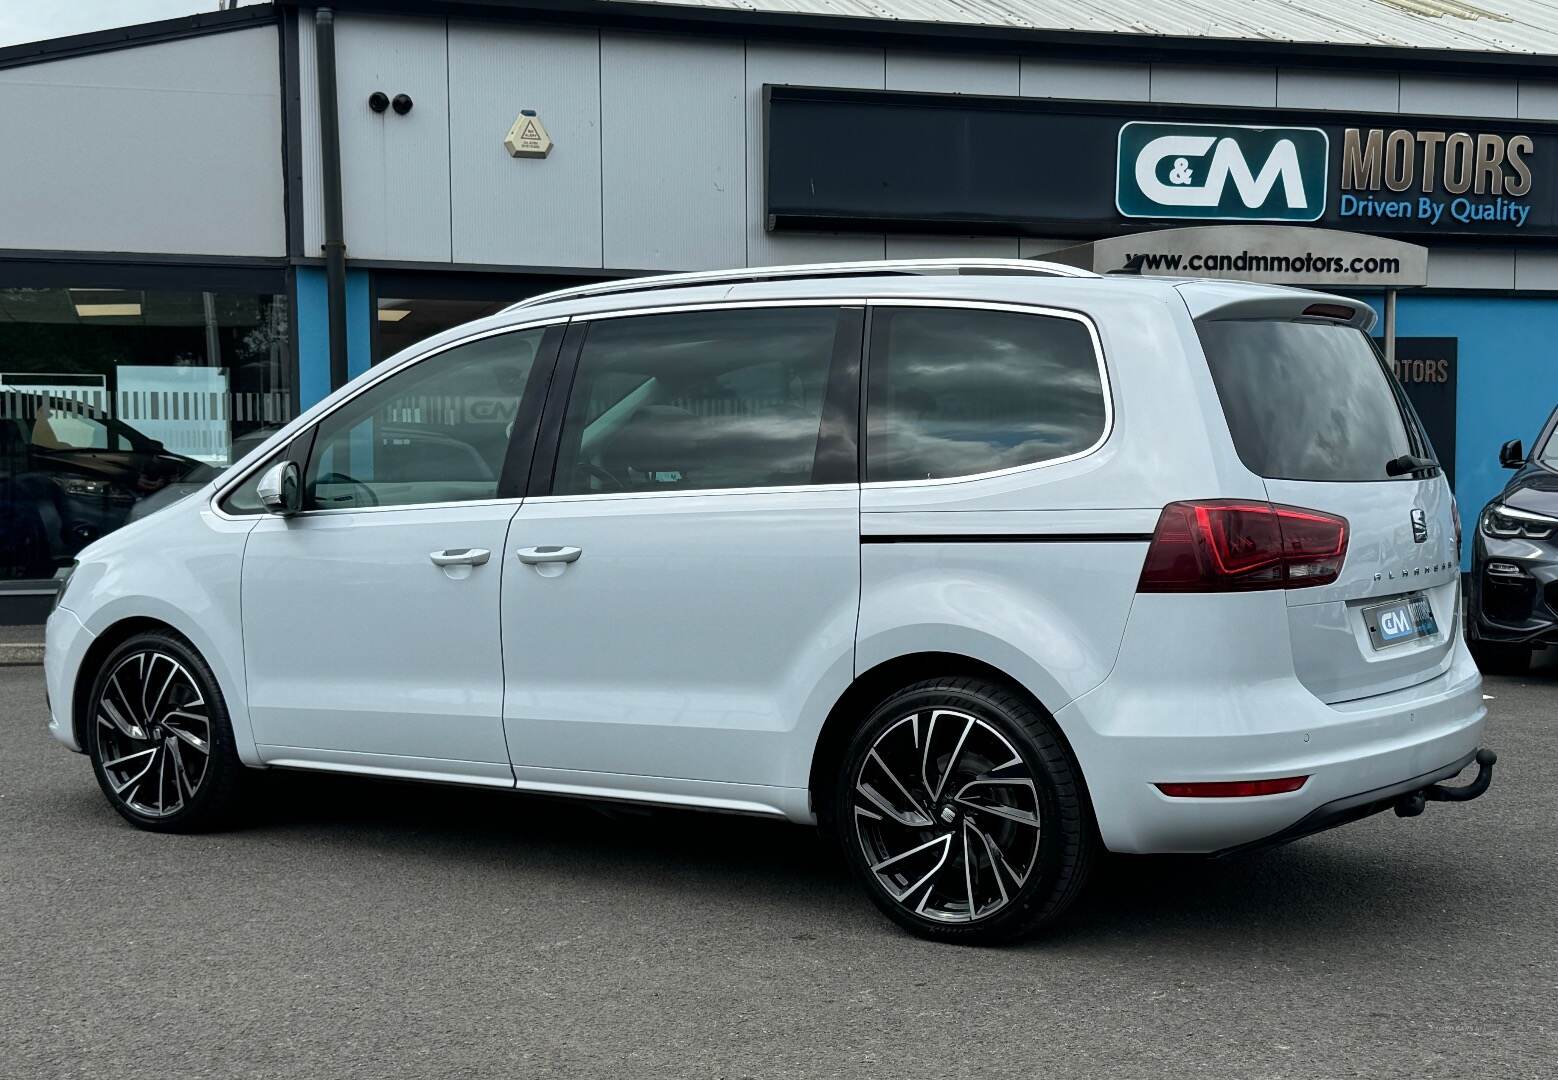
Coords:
1513,603
69,474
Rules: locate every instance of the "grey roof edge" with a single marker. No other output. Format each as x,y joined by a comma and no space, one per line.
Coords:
962,37
128,37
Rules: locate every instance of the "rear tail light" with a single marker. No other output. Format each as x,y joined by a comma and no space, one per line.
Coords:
1230,545
1232,789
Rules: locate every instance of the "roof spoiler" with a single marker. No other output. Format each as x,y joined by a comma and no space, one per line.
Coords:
1211,300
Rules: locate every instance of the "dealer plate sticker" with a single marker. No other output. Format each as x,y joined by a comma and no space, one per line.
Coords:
1408,619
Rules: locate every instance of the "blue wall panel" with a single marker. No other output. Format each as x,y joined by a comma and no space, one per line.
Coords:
1507,381
314,331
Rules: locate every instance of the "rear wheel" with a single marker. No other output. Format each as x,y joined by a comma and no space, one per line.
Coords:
159,737
1500,659
962,813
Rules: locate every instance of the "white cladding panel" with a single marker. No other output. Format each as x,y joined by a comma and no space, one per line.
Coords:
524,211
1214,85
171,148
394,169
658,140
951,74
1366,91
1046,77
673,136
1450,95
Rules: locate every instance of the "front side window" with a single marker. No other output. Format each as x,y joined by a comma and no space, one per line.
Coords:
698,400
435,432
962,391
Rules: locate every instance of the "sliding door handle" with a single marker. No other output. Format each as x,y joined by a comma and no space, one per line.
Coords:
549,554
460,557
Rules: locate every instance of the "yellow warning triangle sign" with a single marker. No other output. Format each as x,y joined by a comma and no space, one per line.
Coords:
528,137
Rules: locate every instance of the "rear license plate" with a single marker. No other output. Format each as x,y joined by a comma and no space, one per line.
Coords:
1408,619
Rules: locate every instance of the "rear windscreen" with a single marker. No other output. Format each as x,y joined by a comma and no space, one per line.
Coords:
1309,401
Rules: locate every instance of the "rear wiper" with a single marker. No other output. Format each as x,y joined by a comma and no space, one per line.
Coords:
1408,463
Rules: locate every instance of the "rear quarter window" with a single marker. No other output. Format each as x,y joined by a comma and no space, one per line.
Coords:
963,391
1309,401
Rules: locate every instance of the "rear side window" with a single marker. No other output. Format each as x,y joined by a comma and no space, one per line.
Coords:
1309,401
961,391
697,400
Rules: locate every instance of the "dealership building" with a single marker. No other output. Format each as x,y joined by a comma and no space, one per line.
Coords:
209,222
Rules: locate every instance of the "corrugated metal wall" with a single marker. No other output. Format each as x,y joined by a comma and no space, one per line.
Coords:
171,148
658,156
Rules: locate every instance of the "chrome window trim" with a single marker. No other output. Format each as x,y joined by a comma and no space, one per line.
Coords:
1019,309
608,496
214,504
333,511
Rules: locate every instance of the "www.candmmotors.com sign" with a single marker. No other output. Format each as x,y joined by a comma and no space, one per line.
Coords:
878,161
1221,172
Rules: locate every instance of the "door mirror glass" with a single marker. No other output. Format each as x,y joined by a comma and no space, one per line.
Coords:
279,490
1512,455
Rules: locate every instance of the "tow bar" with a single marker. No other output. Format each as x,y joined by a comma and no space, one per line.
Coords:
1412,804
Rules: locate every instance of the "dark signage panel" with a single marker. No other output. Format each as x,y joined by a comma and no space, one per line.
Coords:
1427,369
869,159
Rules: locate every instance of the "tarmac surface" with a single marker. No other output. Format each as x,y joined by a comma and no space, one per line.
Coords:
356,928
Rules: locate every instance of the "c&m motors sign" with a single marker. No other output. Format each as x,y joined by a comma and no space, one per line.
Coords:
896,160
1222,172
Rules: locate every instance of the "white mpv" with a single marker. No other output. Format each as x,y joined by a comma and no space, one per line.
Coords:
986,566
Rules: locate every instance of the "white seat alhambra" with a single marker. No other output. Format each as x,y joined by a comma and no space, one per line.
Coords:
986,566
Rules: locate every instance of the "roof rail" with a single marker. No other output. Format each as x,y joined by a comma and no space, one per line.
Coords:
747,275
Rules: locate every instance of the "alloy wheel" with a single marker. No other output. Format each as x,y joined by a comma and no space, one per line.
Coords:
153,733
947,815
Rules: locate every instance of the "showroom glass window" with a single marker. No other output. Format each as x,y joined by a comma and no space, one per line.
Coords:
962,391
696,401
114,402
434,432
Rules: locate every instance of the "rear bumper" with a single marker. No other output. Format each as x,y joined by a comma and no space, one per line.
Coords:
1262,725
1365,804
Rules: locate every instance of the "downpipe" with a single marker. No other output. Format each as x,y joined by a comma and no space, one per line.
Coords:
330,169
1412,804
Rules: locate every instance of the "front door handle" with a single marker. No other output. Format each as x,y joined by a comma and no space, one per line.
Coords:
534,555
460,557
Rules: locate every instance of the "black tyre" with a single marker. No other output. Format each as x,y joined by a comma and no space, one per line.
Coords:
963,814
1499,659
160,739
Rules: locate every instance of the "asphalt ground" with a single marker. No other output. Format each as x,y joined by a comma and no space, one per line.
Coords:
373,929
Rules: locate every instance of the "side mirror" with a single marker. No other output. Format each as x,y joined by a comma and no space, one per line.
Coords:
1511,455
280,490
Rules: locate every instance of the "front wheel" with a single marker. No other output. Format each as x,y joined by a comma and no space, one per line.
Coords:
159,737
963,814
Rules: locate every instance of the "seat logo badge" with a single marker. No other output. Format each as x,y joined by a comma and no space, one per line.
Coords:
1419,526
1221,172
